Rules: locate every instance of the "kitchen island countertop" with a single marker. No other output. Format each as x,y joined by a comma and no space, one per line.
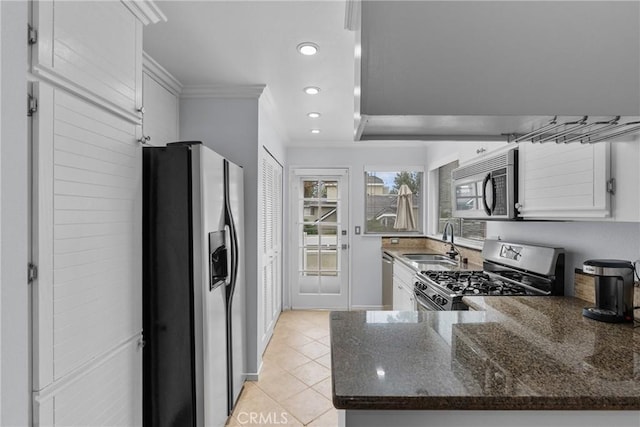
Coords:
525,353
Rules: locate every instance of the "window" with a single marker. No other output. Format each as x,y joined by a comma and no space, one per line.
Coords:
393,201
466,228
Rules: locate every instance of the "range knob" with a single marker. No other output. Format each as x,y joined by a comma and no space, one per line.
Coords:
439,300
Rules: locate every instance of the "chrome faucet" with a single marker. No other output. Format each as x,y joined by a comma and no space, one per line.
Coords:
453,250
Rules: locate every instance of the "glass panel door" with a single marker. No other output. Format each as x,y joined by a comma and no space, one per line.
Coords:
321,248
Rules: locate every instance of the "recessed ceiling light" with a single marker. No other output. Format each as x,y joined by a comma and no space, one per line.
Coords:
315,130
313,115
311,90
308,48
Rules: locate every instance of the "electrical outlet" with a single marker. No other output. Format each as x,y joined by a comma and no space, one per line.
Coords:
357,229
395,241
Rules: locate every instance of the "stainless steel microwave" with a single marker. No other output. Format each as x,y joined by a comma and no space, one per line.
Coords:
487,188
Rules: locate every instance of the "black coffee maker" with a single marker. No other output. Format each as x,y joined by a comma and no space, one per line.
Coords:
614,290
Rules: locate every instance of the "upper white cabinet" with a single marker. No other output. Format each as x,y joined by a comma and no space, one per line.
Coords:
93,49
160,99
564,181
625,200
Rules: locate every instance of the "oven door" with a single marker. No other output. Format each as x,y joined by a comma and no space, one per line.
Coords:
425,304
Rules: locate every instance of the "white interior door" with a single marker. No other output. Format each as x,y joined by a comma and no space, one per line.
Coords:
319,239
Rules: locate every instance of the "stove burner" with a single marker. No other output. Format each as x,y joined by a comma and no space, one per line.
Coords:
473,283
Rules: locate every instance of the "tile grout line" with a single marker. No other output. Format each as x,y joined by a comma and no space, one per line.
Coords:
282,334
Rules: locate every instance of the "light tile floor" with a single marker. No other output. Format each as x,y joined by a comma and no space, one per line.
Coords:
294,388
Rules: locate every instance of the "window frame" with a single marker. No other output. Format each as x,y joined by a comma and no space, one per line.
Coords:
420,219
433,204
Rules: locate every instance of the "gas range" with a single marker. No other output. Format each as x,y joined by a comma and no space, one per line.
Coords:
509,269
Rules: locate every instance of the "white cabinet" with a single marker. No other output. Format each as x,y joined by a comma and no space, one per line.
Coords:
564,181
87,246
93,49
403,296
160,93
87,212
625,201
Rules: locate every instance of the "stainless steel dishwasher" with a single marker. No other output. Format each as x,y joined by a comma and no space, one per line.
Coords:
387,281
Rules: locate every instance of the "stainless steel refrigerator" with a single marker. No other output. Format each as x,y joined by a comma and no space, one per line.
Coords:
193,286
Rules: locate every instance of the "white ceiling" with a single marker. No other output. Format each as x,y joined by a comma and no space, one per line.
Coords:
241,43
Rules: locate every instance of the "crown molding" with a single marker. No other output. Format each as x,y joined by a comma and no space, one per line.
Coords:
160,74
146,11
223,91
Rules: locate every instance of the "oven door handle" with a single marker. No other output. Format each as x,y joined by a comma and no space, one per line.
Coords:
426,303
488,179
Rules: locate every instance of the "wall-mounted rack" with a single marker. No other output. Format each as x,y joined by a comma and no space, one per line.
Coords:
583,130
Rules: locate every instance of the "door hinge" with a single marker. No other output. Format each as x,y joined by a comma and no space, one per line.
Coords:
141,343
32,105
32,35
611,186
32,272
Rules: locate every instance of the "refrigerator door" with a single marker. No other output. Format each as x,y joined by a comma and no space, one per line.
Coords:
236,346
209,299
168,378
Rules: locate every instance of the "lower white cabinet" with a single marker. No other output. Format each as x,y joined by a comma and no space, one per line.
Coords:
403,296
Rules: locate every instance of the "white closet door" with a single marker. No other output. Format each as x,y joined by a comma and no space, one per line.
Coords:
271,236
87,245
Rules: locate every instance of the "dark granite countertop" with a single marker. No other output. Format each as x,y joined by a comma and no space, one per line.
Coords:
513,353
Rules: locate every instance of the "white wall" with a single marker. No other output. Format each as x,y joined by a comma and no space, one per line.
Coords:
366,272
270,132
14,191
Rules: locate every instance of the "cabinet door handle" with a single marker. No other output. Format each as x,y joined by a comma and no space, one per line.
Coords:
144,139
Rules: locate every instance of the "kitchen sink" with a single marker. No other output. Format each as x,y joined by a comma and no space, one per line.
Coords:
429,258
